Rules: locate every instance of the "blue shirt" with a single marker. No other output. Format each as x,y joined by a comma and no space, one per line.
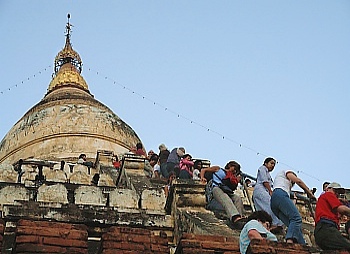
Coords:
218,176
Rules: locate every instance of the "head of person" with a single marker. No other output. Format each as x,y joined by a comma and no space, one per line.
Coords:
263,217
139,146
234,167
335,188
162,147
180,151
198,164
324,185
247,181
150,153
153,159
82,156
269,163
187,157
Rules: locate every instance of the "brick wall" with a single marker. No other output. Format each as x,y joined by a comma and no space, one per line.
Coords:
129,240
193,244
50,237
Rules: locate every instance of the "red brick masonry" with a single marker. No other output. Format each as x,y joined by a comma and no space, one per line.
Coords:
50,237
129,240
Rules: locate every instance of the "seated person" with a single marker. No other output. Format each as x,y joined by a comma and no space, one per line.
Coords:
224,182
82,160
197,170
149,165
186,165
257,227
153,161
138,150
116,162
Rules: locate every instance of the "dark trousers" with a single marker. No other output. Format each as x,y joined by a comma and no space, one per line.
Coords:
171,166
328,237
163,170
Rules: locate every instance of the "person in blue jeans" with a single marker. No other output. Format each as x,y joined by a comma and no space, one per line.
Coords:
284,208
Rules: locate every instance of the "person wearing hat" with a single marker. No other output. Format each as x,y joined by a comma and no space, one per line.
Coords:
328,207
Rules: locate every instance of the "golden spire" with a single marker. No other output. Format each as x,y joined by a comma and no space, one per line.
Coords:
68,66
67,54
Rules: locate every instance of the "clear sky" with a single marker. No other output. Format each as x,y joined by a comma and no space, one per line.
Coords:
227,80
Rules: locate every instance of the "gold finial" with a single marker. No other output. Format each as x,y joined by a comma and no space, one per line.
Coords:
67,54
68,27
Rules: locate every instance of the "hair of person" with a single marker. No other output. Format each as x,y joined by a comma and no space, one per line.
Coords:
138,146
324,184
268,159
233,164
162,147
196,163
261,215
187,155
182,149
81,156
154,157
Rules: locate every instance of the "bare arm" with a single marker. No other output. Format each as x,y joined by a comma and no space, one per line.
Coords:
254,234
291,176
209,169
166,190
343,209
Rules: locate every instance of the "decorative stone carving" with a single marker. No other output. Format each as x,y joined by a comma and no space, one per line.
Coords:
54,193
106,180
7,173
29,173
81,168
124,198
153,199
9,194
56,175
89,195
80,177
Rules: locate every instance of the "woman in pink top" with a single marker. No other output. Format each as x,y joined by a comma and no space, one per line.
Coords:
186,167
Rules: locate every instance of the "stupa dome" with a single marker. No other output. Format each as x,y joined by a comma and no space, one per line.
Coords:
68,121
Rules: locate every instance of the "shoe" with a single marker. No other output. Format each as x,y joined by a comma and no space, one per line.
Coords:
239,224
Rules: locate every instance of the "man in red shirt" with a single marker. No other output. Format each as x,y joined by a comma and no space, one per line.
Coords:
328,210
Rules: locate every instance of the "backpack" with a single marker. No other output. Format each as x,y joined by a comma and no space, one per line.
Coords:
230,180
229,183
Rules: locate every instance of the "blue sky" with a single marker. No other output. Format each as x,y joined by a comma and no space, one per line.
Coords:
228,80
